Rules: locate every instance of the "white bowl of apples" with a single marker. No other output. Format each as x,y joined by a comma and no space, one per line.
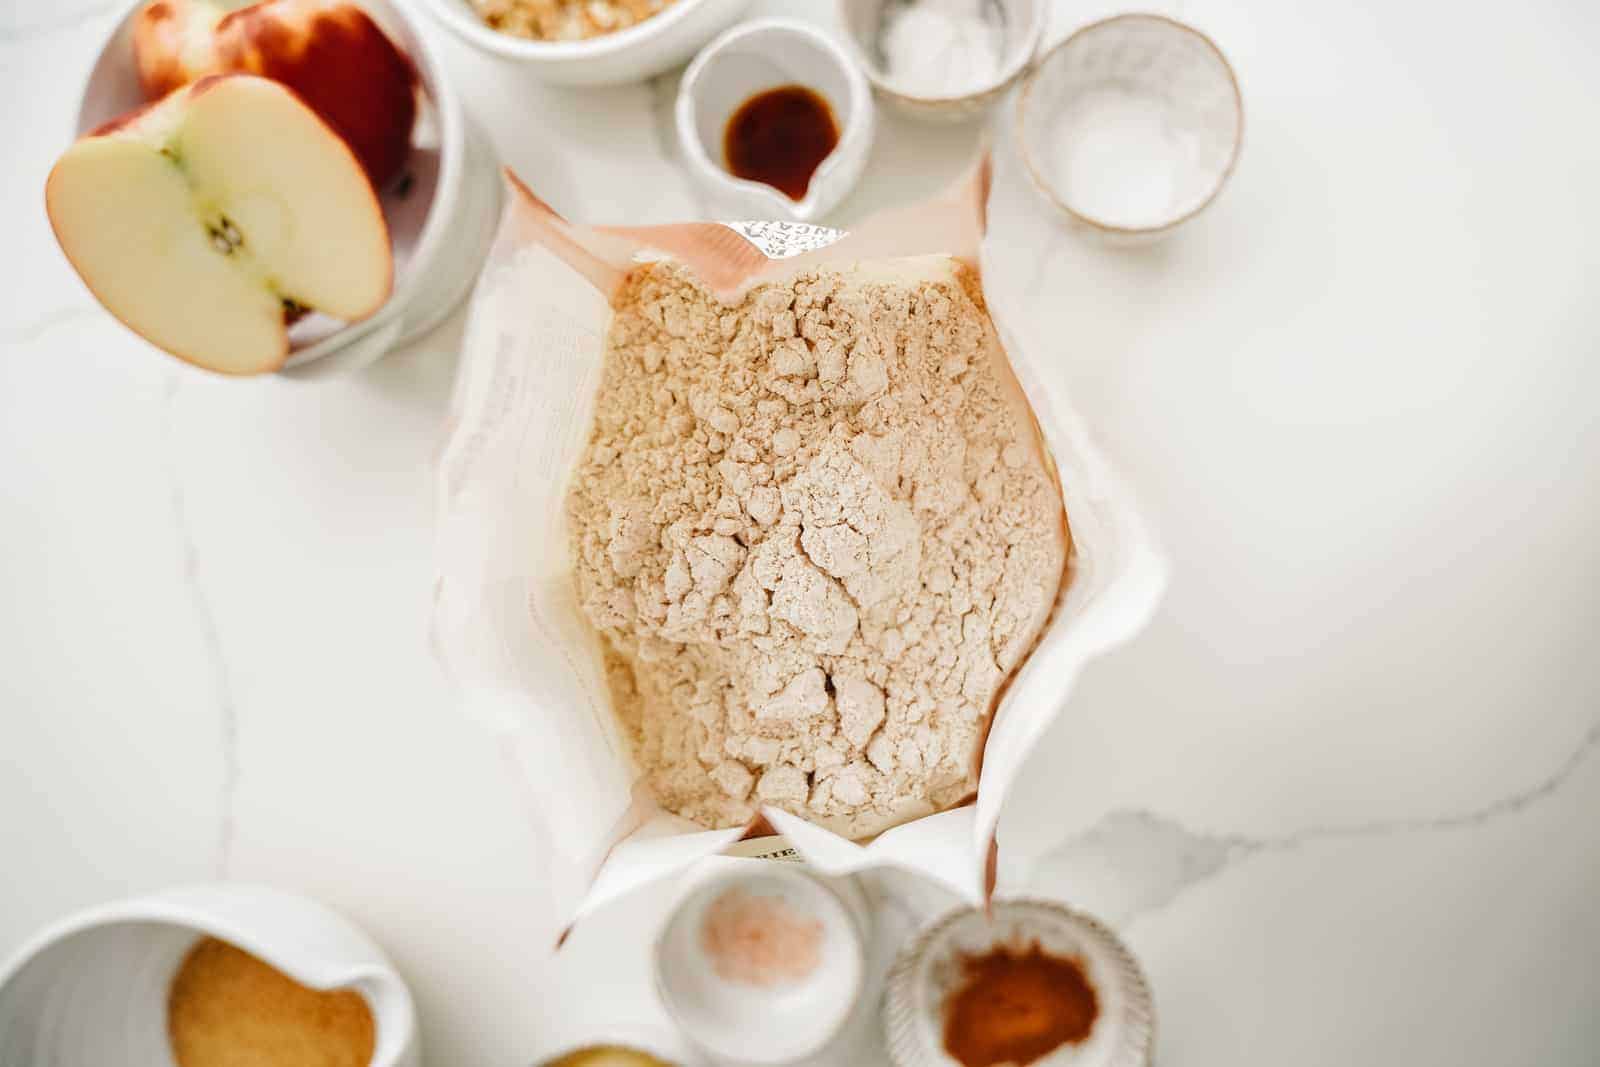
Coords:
290,187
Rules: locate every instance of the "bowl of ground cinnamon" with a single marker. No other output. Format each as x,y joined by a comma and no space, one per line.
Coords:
1034,985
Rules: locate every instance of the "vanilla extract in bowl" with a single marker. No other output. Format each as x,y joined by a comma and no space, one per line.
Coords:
779,137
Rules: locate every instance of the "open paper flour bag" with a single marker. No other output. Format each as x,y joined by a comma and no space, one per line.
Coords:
813,563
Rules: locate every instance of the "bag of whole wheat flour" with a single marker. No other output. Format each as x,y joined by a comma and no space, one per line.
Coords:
760,527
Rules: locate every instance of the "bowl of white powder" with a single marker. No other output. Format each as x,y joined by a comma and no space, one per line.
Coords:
1131,126
945,60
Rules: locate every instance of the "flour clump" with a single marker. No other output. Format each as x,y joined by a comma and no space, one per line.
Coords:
815,531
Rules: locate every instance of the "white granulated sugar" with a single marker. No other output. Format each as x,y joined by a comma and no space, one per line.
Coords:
1119,159
816,532
941,48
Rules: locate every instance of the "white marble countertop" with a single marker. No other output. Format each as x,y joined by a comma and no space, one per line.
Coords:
1358,751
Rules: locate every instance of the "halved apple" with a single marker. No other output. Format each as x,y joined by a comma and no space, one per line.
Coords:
208,221
329,51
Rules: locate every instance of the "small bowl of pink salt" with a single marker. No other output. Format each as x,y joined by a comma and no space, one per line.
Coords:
761,966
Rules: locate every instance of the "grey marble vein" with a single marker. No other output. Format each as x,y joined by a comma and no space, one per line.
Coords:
28,332
211,638
1511,804
1133,863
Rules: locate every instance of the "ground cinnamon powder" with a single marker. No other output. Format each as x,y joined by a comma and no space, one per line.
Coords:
1016,1006
228,1009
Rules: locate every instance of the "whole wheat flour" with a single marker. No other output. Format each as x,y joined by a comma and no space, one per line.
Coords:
816,532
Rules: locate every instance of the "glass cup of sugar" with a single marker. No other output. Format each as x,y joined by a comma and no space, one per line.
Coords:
1131,126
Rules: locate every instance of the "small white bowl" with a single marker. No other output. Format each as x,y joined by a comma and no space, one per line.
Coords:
641,51
93,988
930,969
1132,125
752,58
747,1024
1023,23
440,228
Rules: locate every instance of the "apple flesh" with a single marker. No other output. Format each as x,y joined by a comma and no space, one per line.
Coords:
207,221
329,51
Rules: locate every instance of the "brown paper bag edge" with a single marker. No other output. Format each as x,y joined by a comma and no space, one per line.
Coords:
951,223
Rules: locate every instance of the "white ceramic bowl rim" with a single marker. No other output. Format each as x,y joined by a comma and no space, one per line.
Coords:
155,910
856,128
1018,62
1048,190
452,146
467,23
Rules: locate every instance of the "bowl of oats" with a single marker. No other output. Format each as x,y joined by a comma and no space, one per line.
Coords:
590,42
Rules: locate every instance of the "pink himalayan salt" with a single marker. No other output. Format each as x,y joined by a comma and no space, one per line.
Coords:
760,940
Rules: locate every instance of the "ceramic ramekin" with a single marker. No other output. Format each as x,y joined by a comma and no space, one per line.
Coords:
1131,126
634,54
1024,22
93,988
753,1025
929,969
441,219
753,57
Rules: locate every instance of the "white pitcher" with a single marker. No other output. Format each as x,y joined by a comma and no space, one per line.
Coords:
91,990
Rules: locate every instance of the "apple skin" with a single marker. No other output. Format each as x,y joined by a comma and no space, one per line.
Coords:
330,52
174,43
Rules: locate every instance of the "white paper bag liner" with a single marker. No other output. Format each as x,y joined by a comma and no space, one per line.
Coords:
1117,577
506,621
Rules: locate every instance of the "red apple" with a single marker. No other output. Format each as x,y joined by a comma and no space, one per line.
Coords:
207,221
329,51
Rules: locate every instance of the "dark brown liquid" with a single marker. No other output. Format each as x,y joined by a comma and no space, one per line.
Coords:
780,137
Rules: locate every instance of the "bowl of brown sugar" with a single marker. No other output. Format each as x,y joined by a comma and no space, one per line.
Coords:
208,976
